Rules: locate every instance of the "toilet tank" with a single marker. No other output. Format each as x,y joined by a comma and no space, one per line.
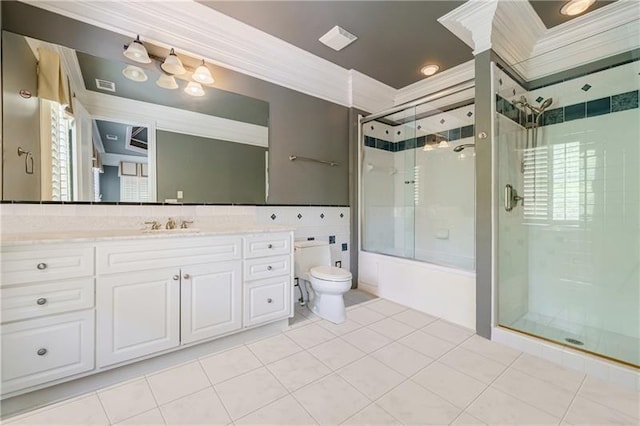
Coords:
308,254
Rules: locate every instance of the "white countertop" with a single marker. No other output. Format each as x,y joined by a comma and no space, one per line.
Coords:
128,234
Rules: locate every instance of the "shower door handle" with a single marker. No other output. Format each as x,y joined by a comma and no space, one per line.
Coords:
511,198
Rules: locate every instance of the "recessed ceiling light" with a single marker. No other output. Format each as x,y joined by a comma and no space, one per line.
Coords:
576,7
430,69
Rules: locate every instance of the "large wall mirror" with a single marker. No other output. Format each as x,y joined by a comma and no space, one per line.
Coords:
80,126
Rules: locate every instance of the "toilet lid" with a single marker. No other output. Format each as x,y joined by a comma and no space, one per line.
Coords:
330,273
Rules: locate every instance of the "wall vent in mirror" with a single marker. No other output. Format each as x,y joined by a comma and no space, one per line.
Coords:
105,85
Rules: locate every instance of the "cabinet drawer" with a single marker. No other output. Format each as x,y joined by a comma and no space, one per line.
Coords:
267,245
267,267
44,349
175,252
36,300
46,265
267,300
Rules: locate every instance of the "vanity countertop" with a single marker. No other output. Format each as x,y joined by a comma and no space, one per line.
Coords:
128,234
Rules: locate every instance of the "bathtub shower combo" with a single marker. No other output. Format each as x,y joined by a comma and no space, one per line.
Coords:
566,204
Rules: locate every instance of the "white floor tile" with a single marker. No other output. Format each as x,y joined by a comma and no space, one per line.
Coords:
85,410
336,353
391,328
225,365
386,307
495,407
491,350
298,370
427,344
364,315
148,418
539,393
178,382
414,318
372,415
412,404
285,411
401,358
450,332
450,384
340,329
472,364
203,407
467,419
248,392
128,400
607,394
331,400
310,335
586,412
274,348
546,370
366,340
371,377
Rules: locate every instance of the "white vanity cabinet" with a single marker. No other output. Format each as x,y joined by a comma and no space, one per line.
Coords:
47,313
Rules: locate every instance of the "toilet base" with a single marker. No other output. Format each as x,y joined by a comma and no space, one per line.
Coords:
327,306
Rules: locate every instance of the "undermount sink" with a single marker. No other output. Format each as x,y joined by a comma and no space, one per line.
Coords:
172,231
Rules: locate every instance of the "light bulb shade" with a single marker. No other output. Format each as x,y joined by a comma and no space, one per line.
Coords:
172,64
427,147
194,89
443,144
203,75
167,81
137,52
576,7
135,73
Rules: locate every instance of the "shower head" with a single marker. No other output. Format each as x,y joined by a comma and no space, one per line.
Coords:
546,104
463,146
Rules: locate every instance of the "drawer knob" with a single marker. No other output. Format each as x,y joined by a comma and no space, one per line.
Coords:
41,301
269,268
186,276
269,300
42,352
270,246
42,266
176,277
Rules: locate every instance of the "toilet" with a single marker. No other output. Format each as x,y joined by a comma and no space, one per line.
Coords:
324,283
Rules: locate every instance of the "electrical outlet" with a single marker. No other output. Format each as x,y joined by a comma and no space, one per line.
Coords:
338,263
180,195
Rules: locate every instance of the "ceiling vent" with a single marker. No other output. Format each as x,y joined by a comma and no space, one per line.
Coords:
109,86
111,137
338,38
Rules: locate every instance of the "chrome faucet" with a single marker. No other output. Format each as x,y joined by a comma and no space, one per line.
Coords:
155,225
185,224
171,224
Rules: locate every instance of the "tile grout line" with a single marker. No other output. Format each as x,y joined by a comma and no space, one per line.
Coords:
214,390
575,395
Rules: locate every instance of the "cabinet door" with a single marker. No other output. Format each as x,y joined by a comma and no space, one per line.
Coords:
211,300
138,313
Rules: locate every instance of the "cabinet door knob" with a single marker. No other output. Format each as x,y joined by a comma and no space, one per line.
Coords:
41,301
269,268
176,277
42,352
186,276
269,300
42,266
270,246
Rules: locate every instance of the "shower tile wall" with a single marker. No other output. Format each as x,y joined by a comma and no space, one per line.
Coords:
419,194
583,248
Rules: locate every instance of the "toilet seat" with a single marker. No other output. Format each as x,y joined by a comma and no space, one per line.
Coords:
330,273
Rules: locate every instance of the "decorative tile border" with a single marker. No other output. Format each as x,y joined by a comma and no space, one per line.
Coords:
420,141
616,103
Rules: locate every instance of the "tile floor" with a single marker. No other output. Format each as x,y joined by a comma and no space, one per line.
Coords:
385,365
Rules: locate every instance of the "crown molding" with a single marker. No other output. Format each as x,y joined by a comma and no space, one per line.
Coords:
440,81
369,94
472,23
174,119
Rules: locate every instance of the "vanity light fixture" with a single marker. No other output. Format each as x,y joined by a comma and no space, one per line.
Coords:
134,73
427,147
194,89
137,52
576,7
429,70
172,64
202,74
167,81
443,144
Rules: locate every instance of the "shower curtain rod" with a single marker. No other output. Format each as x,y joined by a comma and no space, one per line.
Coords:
467,84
